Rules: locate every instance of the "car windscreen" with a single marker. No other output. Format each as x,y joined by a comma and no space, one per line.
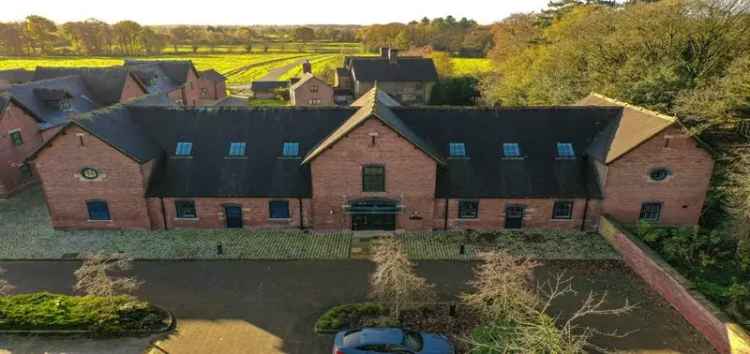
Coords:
413,341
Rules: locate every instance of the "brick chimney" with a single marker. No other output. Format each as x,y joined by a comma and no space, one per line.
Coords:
393,55
306,67
384,52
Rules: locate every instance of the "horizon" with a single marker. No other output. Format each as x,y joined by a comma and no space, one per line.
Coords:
297,13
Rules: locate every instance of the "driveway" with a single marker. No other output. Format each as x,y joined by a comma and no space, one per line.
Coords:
267,307
275,73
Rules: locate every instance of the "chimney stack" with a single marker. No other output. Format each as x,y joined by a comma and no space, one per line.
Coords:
306,67
393,55
384,52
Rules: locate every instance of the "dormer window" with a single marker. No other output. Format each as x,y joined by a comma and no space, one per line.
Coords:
184,149
565,150
291,149
457,149
65,105
237,149
511,150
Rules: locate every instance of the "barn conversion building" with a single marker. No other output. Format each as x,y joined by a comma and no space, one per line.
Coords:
376,166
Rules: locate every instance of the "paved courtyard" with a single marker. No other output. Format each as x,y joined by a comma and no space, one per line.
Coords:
268,307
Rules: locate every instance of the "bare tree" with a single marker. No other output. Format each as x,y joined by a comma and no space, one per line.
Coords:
5,287
517,317
502,286
99,276
395,282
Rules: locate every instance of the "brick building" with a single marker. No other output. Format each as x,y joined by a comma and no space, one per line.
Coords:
375,166
310,91
407,79
212,86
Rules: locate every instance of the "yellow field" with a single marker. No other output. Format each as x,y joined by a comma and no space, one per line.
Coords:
471,66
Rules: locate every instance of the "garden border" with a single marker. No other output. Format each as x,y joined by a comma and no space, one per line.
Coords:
721,331
72,332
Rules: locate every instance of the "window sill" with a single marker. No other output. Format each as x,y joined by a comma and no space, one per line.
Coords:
468,219
235,157
186,219
99,221
280,220
558,220
182,157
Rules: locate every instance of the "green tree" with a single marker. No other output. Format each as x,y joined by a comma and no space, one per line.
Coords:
40,33
126,35
304,34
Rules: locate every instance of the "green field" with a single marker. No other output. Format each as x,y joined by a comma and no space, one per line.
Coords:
471,66
238,68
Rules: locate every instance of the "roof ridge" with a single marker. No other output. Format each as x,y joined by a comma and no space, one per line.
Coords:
632,106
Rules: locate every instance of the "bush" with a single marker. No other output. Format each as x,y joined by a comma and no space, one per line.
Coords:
342,316
104,316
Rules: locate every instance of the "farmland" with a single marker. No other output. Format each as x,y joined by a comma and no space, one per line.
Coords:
239,68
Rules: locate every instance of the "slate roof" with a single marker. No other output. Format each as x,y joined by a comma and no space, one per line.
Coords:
635,126
383,97
175,70
304,79
16,76
212,75
34,96
152,132
404,69
105,84
257,86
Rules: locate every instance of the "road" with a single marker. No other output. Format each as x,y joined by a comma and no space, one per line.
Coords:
275,73
266,307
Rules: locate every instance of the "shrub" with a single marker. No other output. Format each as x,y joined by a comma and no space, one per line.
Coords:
342,316
100,315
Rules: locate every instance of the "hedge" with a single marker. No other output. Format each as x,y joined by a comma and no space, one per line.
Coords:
340,317
104,316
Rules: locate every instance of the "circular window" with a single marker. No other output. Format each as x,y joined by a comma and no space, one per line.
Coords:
89,173
660,174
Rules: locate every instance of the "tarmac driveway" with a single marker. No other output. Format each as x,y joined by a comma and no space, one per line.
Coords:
267,307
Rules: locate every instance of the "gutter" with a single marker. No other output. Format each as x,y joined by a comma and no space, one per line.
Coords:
445,225
301,215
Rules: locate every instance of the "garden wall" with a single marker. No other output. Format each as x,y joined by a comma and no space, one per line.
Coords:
724,334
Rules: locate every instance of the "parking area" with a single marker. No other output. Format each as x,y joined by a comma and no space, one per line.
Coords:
268,307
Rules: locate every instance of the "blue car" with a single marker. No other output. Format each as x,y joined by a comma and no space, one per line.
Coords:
390,341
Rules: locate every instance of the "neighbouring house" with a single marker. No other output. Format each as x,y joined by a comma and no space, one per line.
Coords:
407,79
14,76
178,78
310,91
31,113
212,86
267,89
375,166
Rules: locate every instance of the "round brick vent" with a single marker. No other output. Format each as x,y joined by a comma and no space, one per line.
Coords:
89,173
659,174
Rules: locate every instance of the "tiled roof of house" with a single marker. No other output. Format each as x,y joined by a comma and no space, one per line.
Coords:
403,69
16,76
635,126
105,84
212,75
152,132
175,70
42,98
383,97
304,79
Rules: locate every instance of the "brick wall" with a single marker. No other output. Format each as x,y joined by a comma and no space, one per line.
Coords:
628,184
131,90
337,177
537,214
303,95
726,336
191,90
213,91
120,183
11,156
255,213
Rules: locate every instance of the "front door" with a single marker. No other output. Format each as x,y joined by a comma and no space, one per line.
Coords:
234,216
514,217
385,222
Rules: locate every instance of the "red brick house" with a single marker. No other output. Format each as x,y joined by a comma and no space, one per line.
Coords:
376,166
310,91
212,86
178,78
31,113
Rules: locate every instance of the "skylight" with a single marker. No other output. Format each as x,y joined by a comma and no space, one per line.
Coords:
457,149
291,149
184,149
511,150
565,150
237,149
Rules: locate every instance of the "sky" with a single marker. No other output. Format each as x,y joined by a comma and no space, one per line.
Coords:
265,12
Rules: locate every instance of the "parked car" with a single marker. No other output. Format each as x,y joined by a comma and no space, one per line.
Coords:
390,340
